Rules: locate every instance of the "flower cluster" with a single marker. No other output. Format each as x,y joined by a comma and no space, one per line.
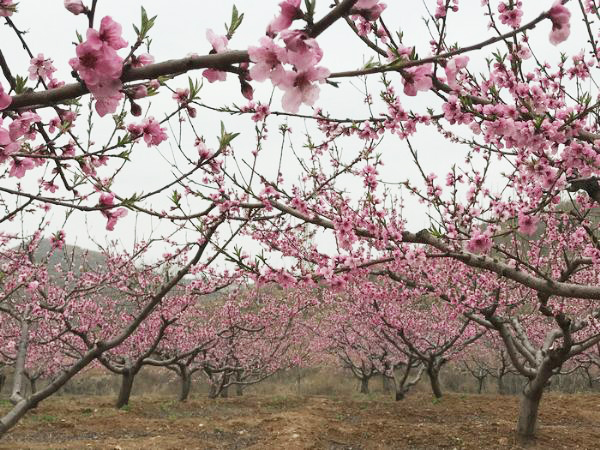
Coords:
99,65
559,15
150,129
301,51
107,200
42,68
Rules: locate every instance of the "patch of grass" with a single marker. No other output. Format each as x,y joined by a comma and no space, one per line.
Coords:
44,418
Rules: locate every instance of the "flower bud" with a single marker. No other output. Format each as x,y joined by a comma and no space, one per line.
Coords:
75,6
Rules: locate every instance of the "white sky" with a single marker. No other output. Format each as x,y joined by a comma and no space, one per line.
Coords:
180,29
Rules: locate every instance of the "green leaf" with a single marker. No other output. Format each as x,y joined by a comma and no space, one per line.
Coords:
20,84
226,138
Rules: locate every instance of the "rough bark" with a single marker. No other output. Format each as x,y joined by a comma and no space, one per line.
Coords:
530,401
434,379
528,413
125,391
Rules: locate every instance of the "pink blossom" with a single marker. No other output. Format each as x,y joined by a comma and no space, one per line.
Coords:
417,79
181,95
139,91
54,83
41,68
369,9
93,63
299,87
510,16
74,6
561,28
58,240
150,129
528,224
261,112
203,151
22,125
452,67
113,216
109,35
290,11
267,59
7,8
479,243
142,60
19,166
247,90
219,44
107,199
49,186
107,104
5,99
7,146
303,51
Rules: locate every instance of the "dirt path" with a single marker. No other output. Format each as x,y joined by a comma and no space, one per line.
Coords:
458,421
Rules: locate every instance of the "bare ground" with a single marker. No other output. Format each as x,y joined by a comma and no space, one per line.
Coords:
458,421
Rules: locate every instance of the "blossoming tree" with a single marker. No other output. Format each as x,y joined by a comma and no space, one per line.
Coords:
514,210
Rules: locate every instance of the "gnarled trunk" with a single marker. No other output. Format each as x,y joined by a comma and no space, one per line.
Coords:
530,401
126,385
434,379
528,413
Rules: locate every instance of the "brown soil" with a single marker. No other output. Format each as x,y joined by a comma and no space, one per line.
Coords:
293,422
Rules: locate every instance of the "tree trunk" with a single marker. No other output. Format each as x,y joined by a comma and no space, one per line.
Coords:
530,402
33,386
186,384
2,381
501,385
212,390
434,380
239,390
364,385
386,384
528,413
126,385
400,394
225,392
480,382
